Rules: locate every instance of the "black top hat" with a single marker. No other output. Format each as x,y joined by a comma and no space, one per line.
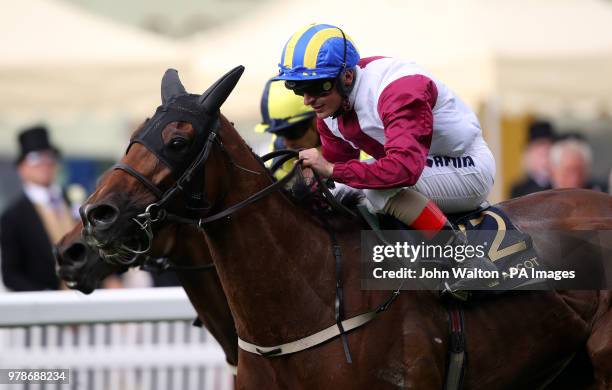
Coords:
541,130
34,139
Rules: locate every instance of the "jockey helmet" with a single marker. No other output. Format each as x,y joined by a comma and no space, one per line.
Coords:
317,51
282,110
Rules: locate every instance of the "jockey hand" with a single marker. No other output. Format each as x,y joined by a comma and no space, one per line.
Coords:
312,158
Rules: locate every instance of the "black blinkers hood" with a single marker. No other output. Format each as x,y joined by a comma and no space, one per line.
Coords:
202,111
183,108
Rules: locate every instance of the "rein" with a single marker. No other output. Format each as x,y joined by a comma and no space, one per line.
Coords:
156,212
201,222
162,264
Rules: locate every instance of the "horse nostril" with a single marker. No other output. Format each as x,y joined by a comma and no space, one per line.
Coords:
102,215
75,253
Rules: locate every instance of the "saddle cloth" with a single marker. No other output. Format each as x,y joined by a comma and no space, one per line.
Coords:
510,249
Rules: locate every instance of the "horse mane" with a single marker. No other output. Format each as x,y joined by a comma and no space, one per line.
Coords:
313,202
226,123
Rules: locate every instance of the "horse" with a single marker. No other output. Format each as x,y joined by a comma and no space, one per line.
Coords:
276,263
185,250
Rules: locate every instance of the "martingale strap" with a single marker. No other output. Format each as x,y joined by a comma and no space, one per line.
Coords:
309,341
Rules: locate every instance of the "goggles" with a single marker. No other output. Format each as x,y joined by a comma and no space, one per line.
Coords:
315,88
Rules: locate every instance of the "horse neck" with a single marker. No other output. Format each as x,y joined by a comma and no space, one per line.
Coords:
205,291
272,257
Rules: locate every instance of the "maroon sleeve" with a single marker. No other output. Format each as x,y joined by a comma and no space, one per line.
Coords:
335,149
405,108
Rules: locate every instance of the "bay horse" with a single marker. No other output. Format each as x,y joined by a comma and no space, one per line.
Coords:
276,263
184,247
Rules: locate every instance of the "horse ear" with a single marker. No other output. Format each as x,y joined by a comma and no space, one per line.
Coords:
215,96
171,85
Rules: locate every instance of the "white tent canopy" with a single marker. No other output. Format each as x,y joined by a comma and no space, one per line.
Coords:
256,41
87,75
51,32
74,60
64,66
549,56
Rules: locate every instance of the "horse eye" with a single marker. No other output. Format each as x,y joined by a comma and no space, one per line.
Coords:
177,143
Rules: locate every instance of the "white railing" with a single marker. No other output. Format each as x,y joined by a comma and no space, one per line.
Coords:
132,339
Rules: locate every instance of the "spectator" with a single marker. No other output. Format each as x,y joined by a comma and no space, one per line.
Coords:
570,161
536,160
39,217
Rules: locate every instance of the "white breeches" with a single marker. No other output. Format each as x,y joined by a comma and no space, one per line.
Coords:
455,184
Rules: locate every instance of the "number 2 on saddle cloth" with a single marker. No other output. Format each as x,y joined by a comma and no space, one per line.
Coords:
504,244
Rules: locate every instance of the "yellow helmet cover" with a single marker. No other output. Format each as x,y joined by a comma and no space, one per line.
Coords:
281,108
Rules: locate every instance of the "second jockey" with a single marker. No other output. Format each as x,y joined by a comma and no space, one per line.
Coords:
291,123
429,155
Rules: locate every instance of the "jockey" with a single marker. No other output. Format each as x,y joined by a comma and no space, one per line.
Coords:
292,124
429,153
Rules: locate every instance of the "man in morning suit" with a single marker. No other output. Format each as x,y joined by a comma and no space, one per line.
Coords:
38,218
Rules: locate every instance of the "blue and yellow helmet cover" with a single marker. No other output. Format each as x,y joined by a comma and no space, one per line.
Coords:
317,51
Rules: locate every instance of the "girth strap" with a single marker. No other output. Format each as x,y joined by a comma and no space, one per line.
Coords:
457,356
339,302
309,341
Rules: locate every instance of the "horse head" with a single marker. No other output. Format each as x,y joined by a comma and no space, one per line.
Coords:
163,170
80,266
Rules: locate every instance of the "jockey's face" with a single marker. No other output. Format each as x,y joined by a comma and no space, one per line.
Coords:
327,103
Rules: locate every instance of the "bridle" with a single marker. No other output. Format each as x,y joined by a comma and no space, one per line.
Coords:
185,166
191,180
158,211
188,170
